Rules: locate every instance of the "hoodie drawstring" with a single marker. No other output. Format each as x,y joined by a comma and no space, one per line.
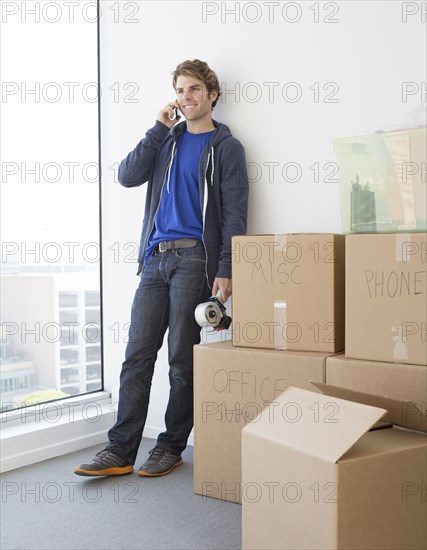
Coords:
213,166
211,158
170,167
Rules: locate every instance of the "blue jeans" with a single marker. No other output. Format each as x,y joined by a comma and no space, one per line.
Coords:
172,285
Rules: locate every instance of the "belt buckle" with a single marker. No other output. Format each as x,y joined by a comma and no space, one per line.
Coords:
162,246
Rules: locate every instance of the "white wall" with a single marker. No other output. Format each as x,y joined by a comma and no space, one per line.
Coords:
362,59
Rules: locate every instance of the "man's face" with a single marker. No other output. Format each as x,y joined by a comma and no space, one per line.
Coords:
193,98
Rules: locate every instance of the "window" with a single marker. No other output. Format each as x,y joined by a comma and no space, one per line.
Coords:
50,262
92,298
68,299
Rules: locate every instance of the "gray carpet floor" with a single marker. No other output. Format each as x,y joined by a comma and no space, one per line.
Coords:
46,506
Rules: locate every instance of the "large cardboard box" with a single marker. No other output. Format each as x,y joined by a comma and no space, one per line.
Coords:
316,476
231,387
407,383
386,297
288,292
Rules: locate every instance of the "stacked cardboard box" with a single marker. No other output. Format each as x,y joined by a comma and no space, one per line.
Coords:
288,317
232,385
288,292
386,297
407,383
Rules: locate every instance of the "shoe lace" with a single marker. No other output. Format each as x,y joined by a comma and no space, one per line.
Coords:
157,453
102,455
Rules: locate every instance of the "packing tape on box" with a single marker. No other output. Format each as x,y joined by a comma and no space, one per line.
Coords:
281,240
280,325
399,343
280,306
401,249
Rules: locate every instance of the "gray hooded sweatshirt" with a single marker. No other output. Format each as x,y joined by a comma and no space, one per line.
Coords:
223,189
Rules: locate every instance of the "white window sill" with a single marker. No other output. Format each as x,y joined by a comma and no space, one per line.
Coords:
52,429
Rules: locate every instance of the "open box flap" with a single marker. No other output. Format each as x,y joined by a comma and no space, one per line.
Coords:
315,424
401,413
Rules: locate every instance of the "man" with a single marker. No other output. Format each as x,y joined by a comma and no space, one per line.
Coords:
196,200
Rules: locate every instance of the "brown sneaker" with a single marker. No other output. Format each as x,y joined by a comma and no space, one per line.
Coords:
105,463
160,462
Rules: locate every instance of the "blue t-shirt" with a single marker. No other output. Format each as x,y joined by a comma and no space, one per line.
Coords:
179,215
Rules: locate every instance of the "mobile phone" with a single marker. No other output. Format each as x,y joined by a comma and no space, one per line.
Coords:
175,114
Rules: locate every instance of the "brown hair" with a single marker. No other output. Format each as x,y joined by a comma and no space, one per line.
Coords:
201,71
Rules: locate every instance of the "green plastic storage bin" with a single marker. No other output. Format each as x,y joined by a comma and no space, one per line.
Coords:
383,181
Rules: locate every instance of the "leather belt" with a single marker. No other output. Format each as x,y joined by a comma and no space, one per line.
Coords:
163,246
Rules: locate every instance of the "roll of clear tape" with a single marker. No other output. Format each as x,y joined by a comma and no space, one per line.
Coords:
208,314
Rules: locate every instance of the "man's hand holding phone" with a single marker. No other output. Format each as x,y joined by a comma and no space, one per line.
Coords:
169,115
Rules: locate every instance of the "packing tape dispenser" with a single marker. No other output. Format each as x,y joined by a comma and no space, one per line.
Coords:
213,313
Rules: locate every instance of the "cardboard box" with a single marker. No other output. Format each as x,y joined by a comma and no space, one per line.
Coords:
399,381
288,292
386,297
231,387
382,181
398,412
316,476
